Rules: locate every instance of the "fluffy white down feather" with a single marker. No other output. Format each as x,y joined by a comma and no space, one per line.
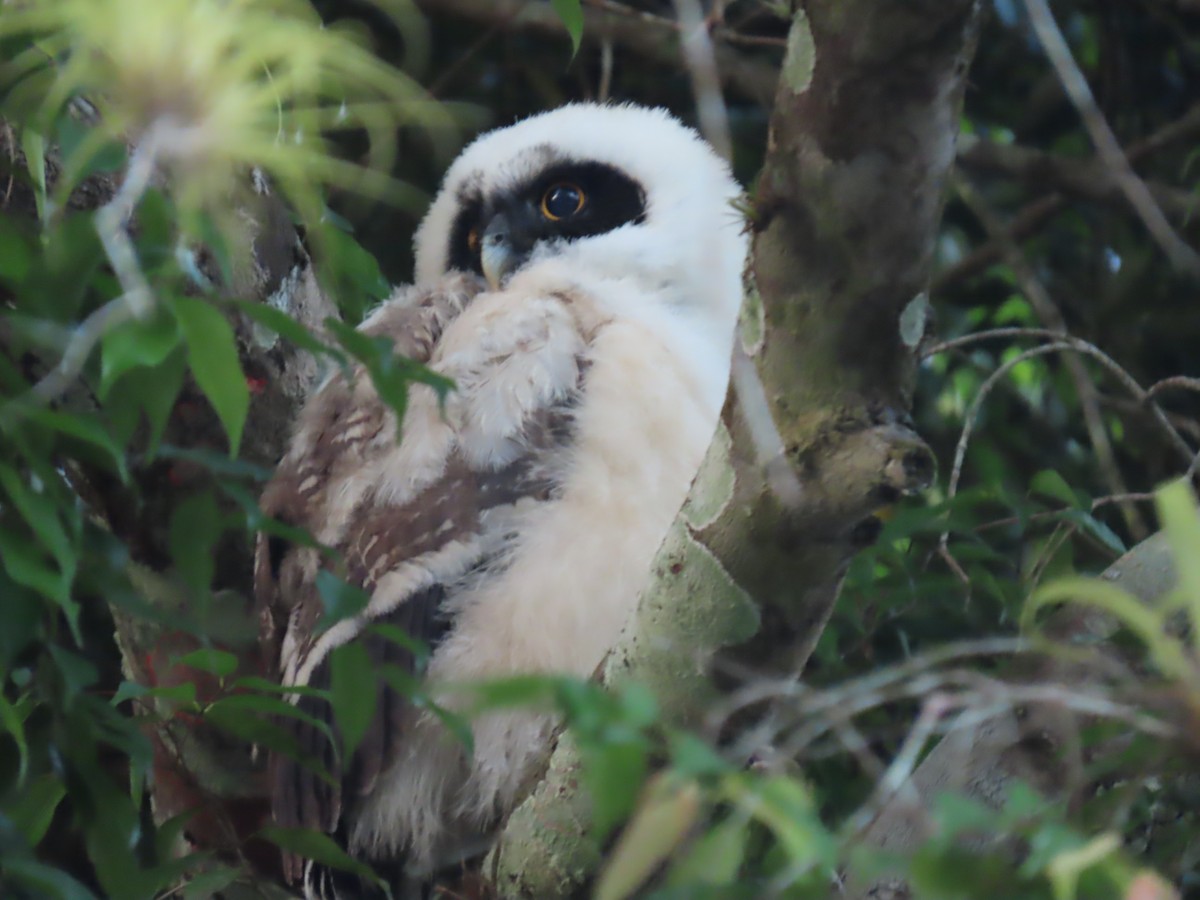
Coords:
649,311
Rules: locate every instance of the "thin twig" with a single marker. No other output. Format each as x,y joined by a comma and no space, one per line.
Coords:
606,70
770,451
701,61
1182,256
1174,383
1127,381
1034,215
137,301
1039,297
58,380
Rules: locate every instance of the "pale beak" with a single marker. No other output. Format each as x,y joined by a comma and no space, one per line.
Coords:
497,255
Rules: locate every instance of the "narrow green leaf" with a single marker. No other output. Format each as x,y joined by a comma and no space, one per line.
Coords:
219,662
211,883
213,356
1097,529
390,373
41,512
76,671
320,848
86,429
348,272
663,820
134,344
1049,483
12,722
571,13
284,325
194,531
179,694
401,638
716,857
34,147
33,808
613,772
340,600
354,690
45,880
217,463
1143,621
1178,514
25,564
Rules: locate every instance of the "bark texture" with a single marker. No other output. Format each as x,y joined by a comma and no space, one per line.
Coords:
844,219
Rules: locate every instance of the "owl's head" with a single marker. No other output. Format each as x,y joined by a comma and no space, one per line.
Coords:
591,191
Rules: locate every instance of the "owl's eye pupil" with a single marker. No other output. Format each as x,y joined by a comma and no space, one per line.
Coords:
562,201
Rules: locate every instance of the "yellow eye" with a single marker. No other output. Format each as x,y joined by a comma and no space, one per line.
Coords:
473,240
562,201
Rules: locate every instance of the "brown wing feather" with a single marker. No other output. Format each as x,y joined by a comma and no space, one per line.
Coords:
334,440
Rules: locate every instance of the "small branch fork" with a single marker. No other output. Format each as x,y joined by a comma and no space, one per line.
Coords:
137,300
1182,256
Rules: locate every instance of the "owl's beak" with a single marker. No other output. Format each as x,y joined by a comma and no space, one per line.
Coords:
498,256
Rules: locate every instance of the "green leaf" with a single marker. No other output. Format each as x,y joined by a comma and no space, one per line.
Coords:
613,772
216,463
34,147
354,690
13,723
663,820
401,638
33,809
153,391
88,150
213,356
348,272
219,662
44,880
571,13
1178,514
1049,483
339,599
284,325
24,563
320,848
786,807
694,757
390,373
180,694
716,857
16,251
1143,621
211,883
1097,529
76,671
75,426
194,532
41,512
136,344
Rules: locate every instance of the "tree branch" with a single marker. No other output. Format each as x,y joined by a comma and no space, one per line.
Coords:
1182,256
1088,179
652,37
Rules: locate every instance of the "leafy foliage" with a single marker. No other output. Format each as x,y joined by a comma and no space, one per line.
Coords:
130,461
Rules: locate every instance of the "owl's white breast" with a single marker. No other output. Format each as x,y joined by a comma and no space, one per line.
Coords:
652,393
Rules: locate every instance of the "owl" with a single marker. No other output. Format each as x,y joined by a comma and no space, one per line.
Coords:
578,279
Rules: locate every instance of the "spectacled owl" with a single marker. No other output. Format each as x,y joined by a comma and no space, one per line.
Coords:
578,279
